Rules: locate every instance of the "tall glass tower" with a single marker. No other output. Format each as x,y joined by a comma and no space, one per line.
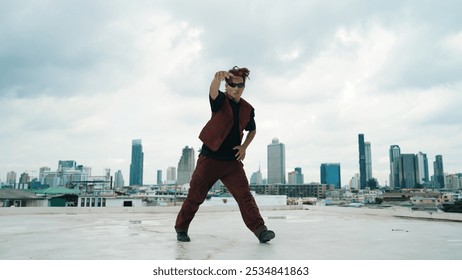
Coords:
367,147
159,177
422,169
365,161
408,171
276,162
330,174
362,161
438,171
119,179
395,155
136,165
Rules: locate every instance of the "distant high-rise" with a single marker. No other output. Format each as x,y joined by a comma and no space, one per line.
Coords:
67,165
330,174
276,162
24,178
107,173
42,171
367,146
362,162
119,179
256,178
354,182
296,176
422,176
171,175
159,177
186,166
438,171
136,165
395,155
408,171
11,178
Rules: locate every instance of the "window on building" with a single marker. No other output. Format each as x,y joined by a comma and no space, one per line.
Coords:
128,203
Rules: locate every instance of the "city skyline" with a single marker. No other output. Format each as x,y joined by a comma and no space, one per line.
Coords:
187,160
81,80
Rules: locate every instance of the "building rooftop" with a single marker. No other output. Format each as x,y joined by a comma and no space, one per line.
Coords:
218,233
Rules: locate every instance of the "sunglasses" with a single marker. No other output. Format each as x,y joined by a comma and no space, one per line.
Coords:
233,85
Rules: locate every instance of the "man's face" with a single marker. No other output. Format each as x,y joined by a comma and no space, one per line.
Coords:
235,87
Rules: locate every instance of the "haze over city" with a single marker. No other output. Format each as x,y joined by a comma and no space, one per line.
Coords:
81,80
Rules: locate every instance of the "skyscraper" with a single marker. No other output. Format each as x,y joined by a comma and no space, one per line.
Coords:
42,170
408,171
159,177
136,165
276,162
11,178
422,176
296,177
362,162
171,175
354,182
119,179
367,146
256,178
186,166
24,178
395,155
438,171
330,174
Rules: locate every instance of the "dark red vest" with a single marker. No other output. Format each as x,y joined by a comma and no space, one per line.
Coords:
218,127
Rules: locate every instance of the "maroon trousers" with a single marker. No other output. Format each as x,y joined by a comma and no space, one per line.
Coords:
232,174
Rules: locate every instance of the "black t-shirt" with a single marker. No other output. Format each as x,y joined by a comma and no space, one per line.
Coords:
226,152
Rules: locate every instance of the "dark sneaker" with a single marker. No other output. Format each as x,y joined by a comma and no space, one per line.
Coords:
183,237
266,236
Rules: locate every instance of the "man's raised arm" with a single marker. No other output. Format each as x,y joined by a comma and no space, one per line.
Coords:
215,85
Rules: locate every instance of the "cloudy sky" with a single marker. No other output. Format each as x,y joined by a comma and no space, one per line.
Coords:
81,79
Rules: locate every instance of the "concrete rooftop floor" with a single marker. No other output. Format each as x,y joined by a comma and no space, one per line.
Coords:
315,233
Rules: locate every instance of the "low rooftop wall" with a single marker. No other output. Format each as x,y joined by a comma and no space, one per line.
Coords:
114,210
392,211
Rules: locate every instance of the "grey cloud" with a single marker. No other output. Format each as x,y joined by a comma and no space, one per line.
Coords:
258,32
447,115
421,62
59,48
